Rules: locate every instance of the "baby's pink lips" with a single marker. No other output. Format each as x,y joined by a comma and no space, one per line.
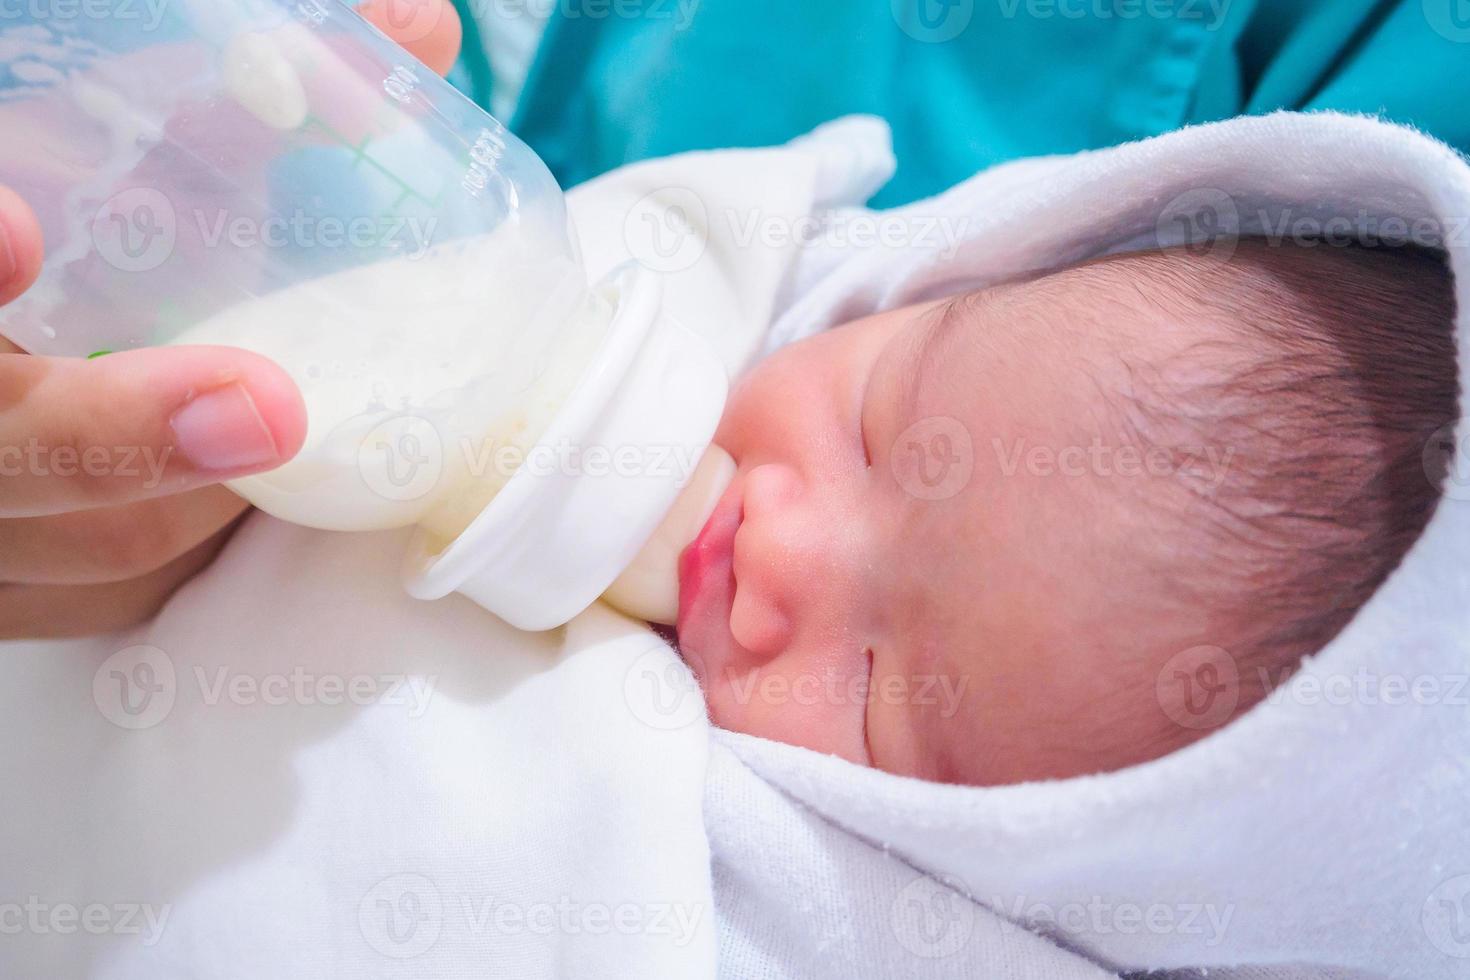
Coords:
707,579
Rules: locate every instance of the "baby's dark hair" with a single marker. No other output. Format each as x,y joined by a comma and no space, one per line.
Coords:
1333,387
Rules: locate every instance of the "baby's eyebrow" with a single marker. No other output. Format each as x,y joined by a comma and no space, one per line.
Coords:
938,328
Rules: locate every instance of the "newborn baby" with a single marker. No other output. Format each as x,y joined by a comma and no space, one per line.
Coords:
969,539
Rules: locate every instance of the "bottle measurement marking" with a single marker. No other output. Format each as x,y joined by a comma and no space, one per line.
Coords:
401,83
312,12
360,155
485,156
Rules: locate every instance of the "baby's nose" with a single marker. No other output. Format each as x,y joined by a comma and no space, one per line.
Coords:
785,560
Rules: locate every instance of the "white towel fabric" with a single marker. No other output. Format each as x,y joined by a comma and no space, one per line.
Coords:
556,806
297,771
1329,826
332,779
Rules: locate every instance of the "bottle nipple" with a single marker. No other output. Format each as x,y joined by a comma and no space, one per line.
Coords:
649,587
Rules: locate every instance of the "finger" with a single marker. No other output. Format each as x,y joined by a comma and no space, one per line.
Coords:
77,434
54,611
20,246
429,29
112,544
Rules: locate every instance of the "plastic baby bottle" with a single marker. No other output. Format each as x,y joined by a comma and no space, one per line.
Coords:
276,175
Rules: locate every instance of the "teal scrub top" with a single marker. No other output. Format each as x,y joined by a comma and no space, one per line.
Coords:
965,83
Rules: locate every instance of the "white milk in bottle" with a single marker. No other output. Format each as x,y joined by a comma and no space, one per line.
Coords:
425,377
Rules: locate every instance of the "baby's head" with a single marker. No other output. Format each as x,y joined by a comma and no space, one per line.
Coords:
968,539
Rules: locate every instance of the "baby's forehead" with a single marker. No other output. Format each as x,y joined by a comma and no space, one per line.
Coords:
1106,326
1017,340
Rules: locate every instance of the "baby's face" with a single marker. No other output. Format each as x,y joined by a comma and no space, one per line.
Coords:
920,565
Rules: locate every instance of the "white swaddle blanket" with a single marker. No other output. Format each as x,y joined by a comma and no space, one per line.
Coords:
1331,825
297,771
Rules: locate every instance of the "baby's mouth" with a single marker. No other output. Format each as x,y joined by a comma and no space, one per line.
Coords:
707,584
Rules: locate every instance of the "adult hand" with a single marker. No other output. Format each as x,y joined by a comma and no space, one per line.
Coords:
110,468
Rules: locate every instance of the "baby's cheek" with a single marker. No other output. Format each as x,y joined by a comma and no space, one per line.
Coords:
926,723
774,408
750,430
802,708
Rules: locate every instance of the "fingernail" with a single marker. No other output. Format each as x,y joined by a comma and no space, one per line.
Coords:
222,430
7,256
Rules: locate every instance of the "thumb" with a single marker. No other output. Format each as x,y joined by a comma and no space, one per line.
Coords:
77,434
429,29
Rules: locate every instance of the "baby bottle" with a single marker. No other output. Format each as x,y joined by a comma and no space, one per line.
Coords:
278,176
